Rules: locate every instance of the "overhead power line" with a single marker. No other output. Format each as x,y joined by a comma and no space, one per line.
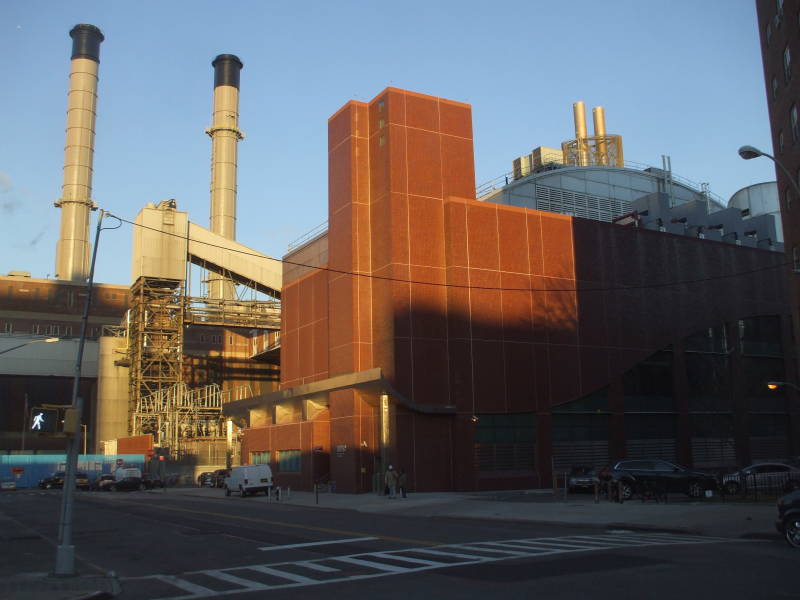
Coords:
467,286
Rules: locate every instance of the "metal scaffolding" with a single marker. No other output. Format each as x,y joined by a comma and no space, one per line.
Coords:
155,343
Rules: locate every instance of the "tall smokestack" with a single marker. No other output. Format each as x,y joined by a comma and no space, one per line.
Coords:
225,135
72,250
599,118
579,113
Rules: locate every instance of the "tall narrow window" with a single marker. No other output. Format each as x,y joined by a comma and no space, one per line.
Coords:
780,142
787,199
769,33
793,120
787,64
774,87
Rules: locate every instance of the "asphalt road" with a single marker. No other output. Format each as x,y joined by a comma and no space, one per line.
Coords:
173,546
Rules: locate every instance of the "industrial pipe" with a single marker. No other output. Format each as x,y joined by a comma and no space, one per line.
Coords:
72,249
599,118
579,112
225,135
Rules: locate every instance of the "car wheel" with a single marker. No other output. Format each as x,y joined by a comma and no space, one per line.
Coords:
627,491
695,490
791,531
731,488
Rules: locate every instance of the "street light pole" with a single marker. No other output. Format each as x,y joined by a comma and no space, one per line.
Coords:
49,340
65,552
748,152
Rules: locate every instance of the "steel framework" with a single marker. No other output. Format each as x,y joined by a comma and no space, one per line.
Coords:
155,344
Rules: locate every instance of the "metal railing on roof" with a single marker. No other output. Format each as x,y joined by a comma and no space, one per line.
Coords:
308,236
505,179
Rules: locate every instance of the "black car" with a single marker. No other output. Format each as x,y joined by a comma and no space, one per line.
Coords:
205,479
103,483
788,522
218,479
151,481
56,481
660,475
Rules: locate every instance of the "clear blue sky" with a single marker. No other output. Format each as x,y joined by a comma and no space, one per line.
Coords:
682,78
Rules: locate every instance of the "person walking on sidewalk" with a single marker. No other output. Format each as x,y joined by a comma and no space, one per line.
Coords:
402,482
390,479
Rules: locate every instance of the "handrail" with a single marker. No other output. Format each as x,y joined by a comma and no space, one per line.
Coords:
505,179
308,236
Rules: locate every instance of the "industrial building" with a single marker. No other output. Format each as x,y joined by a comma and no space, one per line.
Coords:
159,362
483,345
579,310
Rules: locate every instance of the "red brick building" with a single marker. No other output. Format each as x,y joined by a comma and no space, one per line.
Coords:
481,346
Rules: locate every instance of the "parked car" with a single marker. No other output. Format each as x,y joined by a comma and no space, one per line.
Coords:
127,478
780,477
665,476
151,481
56,481
249,479
102,483
219,477
9,484
582,479
205,479
788,522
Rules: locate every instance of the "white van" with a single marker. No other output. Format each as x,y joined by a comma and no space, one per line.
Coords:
249,479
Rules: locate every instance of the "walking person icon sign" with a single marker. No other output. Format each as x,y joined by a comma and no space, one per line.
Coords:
38,420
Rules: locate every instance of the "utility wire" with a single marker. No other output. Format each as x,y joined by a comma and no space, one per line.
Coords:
461,286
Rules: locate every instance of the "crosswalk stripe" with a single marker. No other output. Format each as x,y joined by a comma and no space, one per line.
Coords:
186,586
324,543
456,554
400,557
606,541
247,583
371,565
567,545
516,551
283,574
317,567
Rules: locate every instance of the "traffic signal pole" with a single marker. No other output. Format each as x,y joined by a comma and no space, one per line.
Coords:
65,552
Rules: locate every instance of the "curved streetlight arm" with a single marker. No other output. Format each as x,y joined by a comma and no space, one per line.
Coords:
46,341
748,152
776,385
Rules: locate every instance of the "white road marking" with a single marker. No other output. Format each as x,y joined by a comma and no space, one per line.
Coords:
198,591
317,567
484,552
283,574
372,565
325,543
253,585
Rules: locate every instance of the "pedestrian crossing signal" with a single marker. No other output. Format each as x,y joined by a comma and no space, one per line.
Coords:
43,420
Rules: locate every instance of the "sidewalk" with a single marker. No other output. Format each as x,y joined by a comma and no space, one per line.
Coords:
686,516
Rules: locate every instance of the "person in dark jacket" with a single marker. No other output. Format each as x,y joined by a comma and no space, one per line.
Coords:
402,482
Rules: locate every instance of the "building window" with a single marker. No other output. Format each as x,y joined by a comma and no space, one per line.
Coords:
769,33
55,330
796,259
289,461
259,458
793,120
381,105
780,142
382,123
774,87
381,140
787,198
8,327
35,329
787,64
68,331
505,442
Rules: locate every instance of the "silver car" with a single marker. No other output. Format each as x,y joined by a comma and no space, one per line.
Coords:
764,477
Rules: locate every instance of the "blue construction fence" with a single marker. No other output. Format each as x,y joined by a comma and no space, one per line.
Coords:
38,466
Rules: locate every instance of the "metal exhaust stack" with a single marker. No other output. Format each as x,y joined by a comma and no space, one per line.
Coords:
579,112
225,135
599,118
72,250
